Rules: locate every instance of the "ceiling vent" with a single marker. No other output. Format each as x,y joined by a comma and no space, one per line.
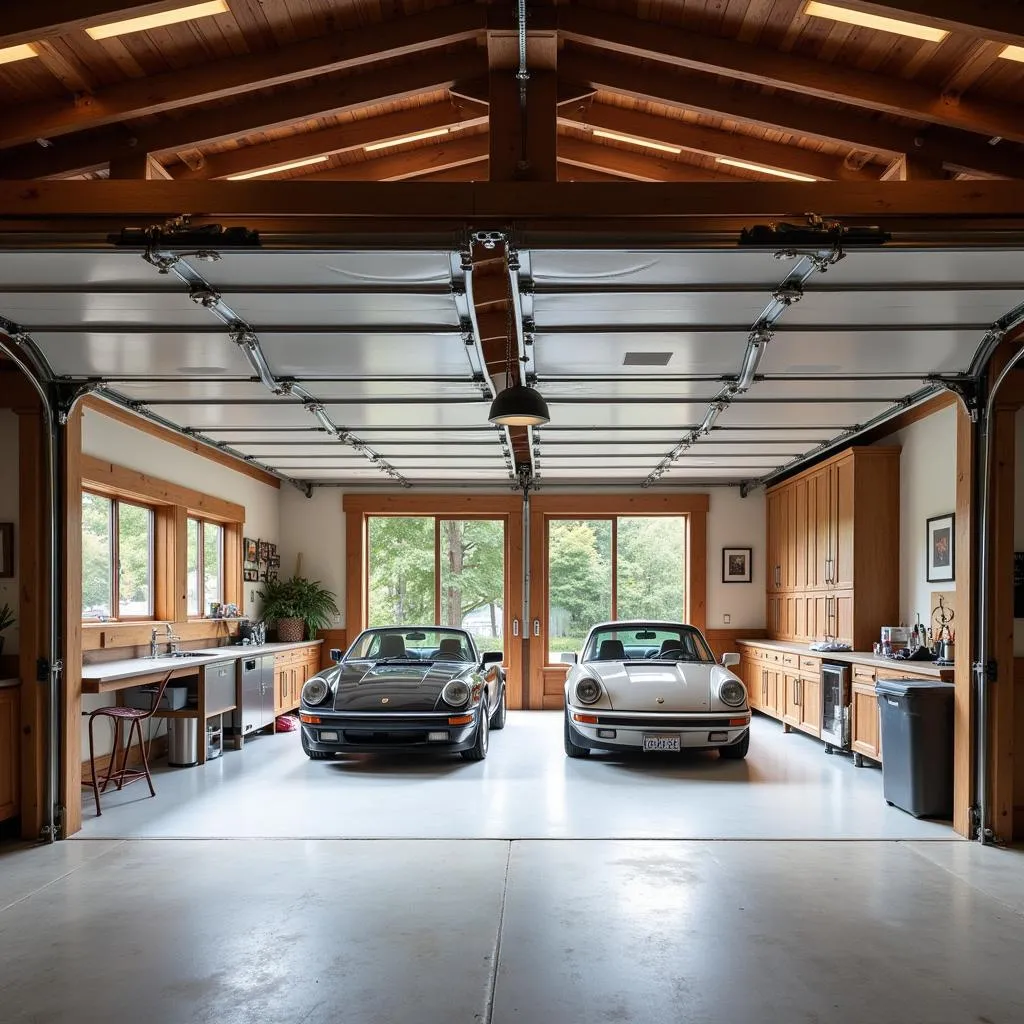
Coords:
647,359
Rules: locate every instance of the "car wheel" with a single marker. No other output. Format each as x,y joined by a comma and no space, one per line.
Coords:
478,751
736,751
500,713
315,755
572,748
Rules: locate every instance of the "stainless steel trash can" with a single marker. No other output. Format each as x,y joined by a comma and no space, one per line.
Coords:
182,742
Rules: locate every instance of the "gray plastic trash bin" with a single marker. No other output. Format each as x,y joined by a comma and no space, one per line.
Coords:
917,745
182,742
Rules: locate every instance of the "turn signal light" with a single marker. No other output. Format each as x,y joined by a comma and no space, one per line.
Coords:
586,719
309,719
460,719
737,721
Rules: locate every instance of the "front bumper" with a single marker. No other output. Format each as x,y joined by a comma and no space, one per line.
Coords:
327,731
625,730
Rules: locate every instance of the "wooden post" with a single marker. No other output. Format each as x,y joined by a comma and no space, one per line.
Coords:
71,576
963,746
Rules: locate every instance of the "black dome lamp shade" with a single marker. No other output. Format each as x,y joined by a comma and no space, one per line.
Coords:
519,406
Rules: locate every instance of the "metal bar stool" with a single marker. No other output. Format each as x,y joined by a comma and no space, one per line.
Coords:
134,717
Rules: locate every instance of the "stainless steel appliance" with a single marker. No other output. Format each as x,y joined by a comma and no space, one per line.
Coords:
835,706
255,694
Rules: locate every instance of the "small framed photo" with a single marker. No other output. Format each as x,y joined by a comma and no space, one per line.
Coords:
250,575
249,548
941,553
736,565
6,550
264,549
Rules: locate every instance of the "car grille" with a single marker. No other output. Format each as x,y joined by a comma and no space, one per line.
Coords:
366,738
667,722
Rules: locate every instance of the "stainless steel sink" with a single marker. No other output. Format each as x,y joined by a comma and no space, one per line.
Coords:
184,654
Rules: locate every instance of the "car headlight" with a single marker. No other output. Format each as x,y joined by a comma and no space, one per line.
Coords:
731,692
588,691
314,691
456,692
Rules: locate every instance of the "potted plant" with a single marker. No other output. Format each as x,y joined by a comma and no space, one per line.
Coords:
7,620
297,605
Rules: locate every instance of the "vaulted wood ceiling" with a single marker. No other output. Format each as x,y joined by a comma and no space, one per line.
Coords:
277,81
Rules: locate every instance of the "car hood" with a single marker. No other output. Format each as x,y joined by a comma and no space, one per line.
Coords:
369,686
638,685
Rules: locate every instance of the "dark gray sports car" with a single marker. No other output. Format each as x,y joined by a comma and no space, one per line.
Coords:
405,688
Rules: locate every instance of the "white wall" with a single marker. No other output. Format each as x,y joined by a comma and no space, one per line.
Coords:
315,529
9,514
927,488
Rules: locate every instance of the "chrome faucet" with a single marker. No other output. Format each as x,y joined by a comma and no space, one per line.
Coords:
172,640
152,644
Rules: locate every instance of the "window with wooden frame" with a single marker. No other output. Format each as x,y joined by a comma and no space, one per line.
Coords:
117,558
204,565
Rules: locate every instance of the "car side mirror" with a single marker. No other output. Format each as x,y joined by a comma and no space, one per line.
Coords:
335,654
728,660
493,658
569,657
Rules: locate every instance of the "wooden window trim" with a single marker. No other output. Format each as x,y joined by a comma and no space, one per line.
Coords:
201,567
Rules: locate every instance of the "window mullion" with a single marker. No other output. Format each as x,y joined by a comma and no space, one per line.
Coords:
115,559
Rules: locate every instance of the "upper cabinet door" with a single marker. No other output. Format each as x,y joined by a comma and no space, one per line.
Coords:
801,533
774,541
819,531
841,523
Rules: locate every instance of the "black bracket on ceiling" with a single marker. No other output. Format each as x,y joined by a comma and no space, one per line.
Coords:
64,394
181,233
967,389
488,239
525,481
745,486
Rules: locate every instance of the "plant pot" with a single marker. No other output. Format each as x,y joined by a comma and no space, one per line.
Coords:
290,631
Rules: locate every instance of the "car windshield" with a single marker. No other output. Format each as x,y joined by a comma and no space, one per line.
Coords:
641,642
412,643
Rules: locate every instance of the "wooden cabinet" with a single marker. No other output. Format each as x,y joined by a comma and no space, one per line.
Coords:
865,727
833,549
291,670
10,776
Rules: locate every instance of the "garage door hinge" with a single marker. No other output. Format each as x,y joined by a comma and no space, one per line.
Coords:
965,388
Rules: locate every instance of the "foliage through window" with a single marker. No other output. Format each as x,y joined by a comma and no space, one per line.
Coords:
204,565
117,558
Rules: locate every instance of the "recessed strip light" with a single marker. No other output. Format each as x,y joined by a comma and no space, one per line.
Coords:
23,51
617,137
419,136
792,175
148,21
309,161
1010,52
864,20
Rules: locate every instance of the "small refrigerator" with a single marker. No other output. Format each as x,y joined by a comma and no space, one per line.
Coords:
835,706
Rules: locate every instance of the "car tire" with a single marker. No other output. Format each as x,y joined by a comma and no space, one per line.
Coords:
478,751
736,751
315,755
500,713
572,748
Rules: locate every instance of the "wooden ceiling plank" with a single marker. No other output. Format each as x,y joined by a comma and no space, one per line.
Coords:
42,19
322,96
243,73
575,172
702,93
714,142
397,166
337,139
475,171
893,95
994,19
635,166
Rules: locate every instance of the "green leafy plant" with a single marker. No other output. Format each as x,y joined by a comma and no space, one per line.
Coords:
299,598
7,618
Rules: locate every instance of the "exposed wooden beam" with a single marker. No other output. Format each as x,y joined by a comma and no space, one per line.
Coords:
253,113
27,22
911,168
403,37
338,139
993,19
627,164
573,172
138,165
408,163
475,89
955,149
712,141
806,75
475,171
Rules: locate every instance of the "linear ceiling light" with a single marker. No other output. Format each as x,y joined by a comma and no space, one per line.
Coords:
148,21
431,134
1010,52
792,175
617,137
875,21
23,51
309,161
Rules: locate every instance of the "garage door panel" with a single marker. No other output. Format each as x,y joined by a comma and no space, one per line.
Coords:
328,268
837,415
668,415
365,355
929,266
699,353
67,269
948,306
56,309
837,387
278,414
110,354
846,352
423,416
357,310
205,391
552,449
697,390
595,308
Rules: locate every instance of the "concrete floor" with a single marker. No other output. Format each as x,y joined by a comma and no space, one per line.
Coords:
513,929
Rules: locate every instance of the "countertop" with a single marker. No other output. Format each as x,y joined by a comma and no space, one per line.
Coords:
926,669
9,684
109,671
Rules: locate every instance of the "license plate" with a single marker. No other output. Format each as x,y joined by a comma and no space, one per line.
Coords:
661,743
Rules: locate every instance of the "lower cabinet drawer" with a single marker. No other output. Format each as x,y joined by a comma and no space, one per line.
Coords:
791,660
863,673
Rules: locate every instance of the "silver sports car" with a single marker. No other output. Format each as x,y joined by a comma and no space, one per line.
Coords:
405,688
654,686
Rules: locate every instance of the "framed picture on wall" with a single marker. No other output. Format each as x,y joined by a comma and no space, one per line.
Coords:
941,553
6,550
736,565
249,549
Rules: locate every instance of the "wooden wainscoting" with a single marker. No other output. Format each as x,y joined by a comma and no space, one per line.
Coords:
552,698
131,639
